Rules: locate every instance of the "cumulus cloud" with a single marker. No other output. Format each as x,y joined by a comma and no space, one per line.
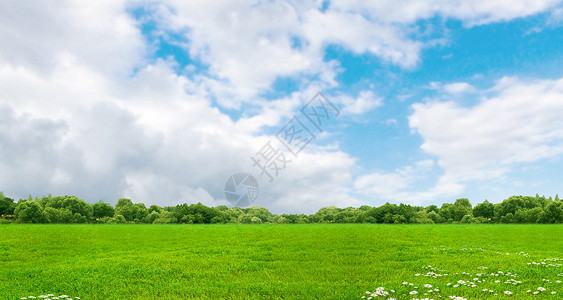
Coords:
365,102
516,122
471,12
110,124
400,185
520,123
86,109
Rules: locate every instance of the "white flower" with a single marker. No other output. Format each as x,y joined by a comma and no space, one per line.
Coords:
508,292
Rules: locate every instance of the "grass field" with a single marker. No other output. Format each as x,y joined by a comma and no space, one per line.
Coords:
281,261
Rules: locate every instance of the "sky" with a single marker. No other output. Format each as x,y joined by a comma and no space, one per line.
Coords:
418,101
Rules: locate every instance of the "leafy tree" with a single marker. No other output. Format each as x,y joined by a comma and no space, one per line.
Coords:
407,212
421,217
7,205
534,215
61,215
433,208
553,213
399,219
71,203
139,211
101,210
124,207
151,217
515,203
53,215
260,212
29,212
347,215
199,213
382,214
156,208
461,208
78,218
447,212
436,218
467,219
166,217
508,218
120,219
485,210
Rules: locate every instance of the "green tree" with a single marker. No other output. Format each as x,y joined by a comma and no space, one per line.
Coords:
447,212
166,217
140,211
461,208
485,210
553,213
508,218
433,208
515,203
71,203
261,212
124,207
7,205
156,208
436,218
53,215
29,212
327,214
151,217
101,210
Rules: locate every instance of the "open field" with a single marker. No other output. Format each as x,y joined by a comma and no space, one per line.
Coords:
316,261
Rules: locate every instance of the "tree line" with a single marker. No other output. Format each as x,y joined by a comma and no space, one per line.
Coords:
71,209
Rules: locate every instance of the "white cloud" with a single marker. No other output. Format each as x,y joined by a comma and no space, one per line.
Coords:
520,123
42,36
458,88
85,110
471,12
247,45
365,102
400,186
106,129
516,123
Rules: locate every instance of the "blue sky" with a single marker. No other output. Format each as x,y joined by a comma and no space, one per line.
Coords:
161,101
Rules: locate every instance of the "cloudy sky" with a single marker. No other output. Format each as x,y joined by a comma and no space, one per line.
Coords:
162,101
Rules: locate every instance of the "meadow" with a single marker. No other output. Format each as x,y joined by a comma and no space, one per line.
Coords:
292,261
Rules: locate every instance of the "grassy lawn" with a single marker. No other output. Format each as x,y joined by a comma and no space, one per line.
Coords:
314,261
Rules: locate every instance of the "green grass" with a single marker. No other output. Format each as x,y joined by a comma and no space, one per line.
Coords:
274,261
